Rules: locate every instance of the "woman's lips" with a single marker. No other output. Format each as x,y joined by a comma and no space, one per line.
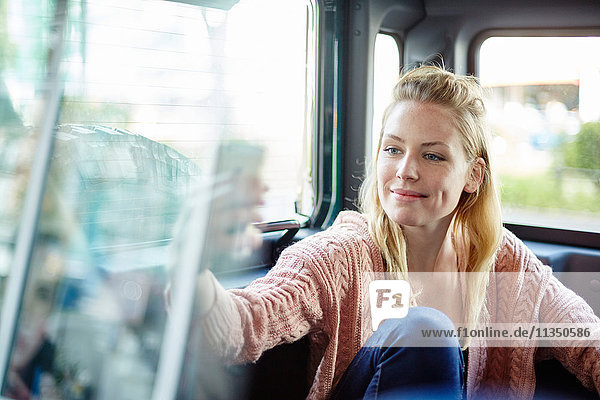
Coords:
407,195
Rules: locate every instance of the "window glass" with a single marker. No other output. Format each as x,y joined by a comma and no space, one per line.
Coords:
22,66
386,70
149,88
544,112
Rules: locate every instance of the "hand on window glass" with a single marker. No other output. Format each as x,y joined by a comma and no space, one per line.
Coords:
215,227
231,237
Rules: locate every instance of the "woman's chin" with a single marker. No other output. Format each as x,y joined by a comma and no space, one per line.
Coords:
406,220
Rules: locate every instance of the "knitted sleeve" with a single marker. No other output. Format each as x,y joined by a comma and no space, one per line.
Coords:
281,307
561,305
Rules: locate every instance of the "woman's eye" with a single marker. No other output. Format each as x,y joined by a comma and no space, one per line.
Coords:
392,150
433,157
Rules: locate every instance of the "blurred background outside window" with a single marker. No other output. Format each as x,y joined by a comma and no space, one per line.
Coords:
544,113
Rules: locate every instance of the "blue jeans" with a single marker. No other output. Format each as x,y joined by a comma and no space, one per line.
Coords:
385,368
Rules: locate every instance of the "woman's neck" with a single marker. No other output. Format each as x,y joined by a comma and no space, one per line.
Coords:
430,248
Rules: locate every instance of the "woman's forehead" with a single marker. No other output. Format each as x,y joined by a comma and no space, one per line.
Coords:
426,122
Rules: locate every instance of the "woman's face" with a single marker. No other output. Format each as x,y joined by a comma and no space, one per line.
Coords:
421,168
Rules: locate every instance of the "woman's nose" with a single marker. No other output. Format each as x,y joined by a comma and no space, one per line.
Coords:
407,168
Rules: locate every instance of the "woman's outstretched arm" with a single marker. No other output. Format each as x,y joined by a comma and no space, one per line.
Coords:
286,304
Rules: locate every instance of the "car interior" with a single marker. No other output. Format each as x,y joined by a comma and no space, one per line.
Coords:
109,116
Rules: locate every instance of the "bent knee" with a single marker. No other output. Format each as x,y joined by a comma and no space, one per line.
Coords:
422,327
428,318
418,318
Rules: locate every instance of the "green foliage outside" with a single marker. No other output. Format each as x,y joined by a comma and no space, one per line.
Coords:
572,184
79,111
548,191
8,50
584,151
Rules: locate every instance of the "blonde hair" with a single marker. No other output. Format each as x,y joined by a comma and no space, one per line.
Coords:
477,222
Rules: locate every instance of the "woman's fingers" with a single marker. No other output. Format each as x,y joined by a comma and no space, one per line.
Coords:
231,236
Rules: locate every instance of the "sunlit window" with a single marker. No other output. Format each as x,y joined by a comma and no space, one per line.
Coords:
544,112
147,90
386,69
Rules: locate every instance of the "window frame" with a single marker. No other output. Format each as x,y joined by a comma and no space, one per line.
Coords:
399,42
475,45
528,232
326,144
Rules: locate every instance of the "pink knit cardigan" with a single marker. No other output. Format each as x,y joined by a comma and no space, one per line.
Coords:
315,289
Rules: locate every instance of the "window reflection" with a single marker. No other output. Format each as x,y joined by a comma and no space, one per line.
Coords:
16,144
93,312
147,89
18,79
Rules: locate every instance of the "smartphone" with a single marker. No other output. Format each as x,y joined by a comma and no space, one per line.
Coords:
235,187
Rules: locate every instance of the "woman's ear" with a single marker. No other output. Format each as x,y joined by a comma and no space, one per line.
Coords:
476,175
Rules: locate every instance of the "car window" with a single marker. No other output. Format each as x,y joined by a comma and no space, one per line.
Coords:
147,91
544,112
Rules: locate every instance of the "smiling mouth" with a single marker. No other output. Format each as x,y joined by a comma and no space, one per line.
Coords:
407,195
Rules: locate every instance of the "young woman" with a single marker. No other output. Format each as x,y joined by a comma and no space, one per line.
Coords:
428,205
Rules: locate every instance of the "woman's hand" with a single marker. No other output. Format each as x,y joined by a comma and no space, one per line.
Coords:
215,228
231,237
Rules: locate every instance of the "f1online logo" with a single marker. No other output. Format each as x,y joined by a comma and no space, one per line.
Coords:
389,299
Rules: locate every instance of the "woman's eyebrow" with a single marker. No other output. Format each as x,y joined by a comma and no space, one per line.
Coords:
436,143
392,136
426,144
